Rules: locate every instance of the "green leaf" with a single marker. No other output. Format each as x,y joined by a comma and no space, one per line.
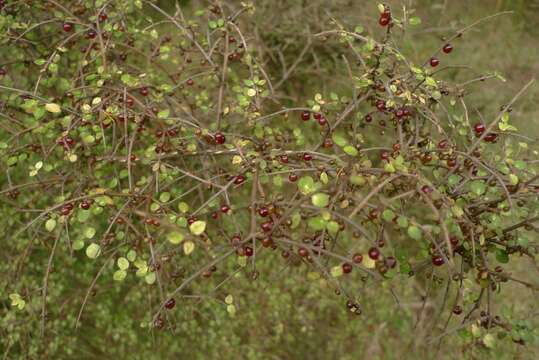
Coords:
150,278
489,340
306,185
53,108
478,187
93,250
502,256
188,247
164,197
333,227
123,263
339,140
119,275
175,237
402,222
50,225
163,114
78,244
350,150
320,199
197,227
414,21
89,232
414,232
316,223
388,215
131,255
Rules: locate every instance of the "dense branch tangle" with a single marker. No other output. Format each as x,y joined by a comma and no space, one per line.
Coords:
181,162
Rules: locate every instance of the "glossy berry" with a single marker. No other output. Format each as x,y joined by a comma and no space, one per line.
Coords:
479,129
267,226
225,209
219,138
3,72
384,155
292,178
322,121
443,144
84,205
391,262
426,189
305,116
248,251
447,48
307,157
367,118
263,211
190,82
491,138
144,91
374,253
303,252
383,21
347,268
437,260
239,179
452,163
170,303
457,310
434,62
357,258
67,27
381,105
91,34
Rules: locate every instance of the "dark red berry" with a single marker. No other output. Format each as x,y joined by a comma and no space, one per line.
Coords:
239,179
391,262
437,260
443,144
384,155
452,163
368,118
267,226
347,268
248,251
357,258
305,116
434,62
374,253
479,129
303,252
263,211
447,48
322,121
284,159
491,137
307,157
144,91
457,310
190,82
225,209
383,21
85,205
67,27
381,105
219,138
170,303
91,34
292,177
426,189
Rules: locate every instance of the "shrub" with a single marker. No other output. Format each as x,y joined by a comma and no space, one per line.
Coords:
159,153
